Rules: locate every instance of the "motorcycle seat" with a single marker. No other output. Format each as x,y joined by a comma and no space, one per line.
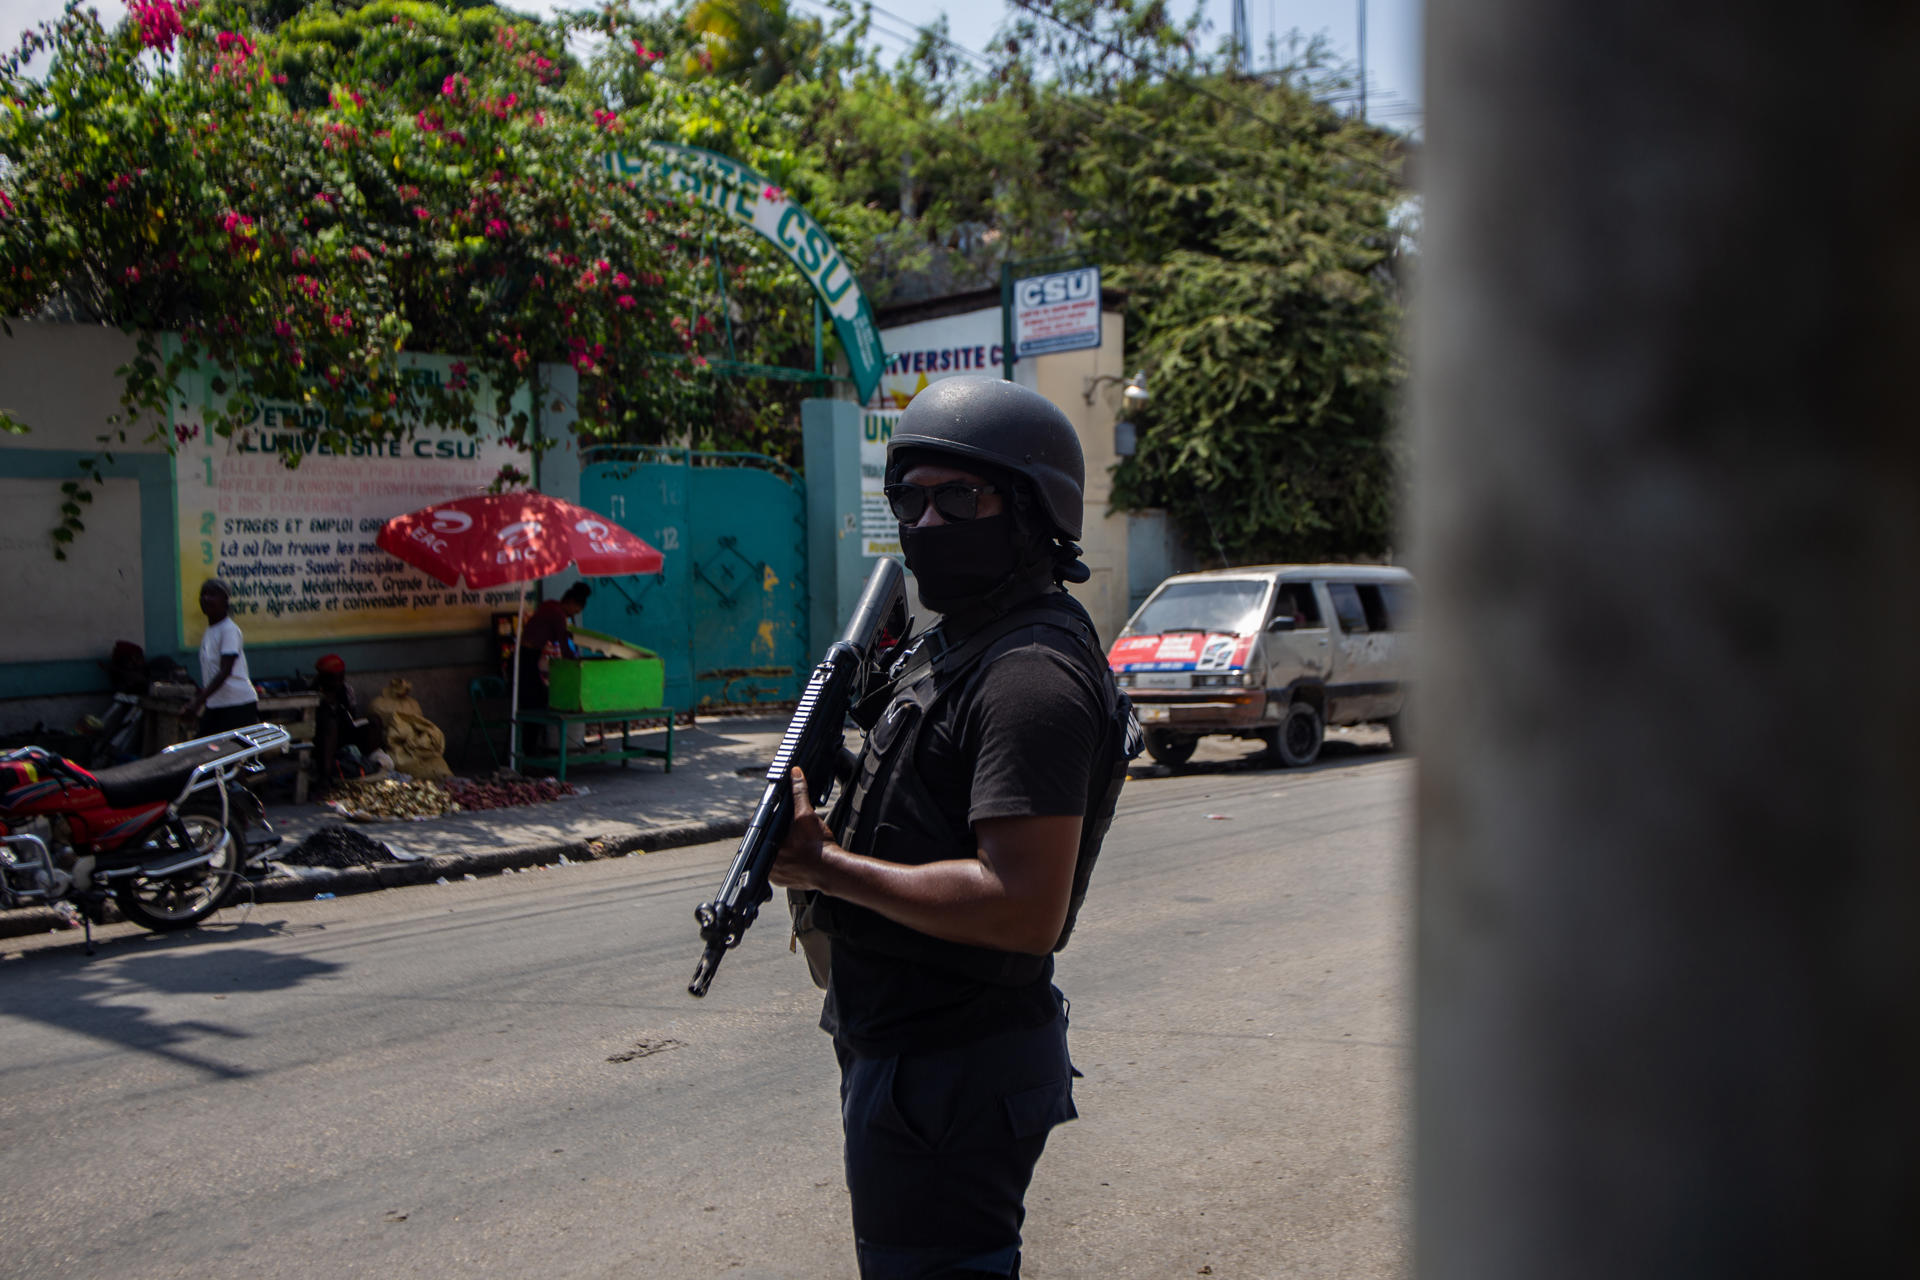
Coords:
156,778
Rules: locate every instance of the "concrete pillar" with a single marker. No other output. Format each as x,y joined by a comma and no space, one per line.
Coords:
830,446
1668,1014
557,470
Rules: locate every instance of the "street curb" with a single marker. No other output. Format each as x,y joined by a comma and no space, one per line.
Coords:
340,882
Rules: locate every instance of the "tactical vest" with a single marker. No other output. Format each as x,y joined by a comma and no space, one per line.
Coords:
887,811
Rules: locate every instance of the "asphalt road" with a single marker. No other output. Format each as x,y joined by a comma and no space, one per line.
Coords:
507,1078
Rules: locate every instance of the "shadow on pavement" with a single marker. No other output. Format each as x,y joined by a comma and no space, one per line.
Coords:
100,997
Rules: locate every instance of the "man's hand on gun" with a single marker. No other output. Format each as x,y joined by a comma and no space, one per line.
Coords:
784,829
801,859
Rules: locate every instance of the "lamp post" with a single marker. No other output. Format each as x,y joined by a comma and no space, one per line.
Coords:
1135,396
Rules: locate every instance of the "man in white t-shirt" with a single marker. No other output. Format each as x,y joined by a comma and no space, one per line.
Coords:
226,689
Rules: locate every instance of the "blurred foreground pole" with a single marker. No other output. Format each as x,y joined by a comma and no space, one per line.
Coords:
1668,1020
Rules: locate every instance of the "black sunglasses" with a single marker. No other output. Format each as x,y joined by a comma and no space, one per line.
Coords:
954,500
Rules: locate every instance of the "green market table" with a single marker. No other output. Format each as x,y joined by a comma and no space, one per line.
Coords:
563,721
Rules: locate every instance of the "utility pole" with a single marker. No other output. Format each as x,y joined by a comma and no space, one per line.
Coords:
1363,60
1668,530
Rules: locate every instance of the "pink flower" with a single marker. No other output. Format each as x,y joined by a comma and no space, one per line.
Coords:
230,41
643,53
422,212
621,280
624,302
159,21
6,205
451,86
498,229
457,375
278,78
428,122
605,119
774,194
132,275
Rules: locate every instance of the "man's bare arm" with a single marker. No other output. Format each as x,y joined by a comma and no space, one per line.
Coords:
1011,895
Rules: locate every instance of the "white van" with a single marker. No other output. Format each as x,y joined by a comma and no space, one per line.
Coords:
1276,651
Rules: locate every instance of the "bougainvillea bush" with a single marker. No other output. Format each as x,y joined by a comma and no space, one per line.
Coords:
300,203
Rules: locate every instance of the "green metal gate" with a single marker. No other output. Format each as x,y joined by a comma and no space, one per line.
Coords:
728,611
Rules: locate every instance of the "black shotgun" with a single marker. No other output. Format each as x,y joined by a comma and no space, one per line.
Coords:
853,666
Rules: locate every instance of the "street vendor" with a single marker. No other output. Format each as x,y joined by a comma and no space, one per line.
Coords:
339,723
548,634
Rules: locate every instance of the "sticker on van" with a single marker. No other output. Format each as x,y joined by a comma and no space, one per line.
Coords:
1183,651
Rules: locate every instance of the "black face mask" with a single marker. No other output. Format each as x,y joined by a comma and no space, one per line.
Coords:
954,564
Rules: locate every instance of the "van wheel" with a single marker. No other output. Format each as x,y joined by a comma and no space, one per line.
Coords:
1170,749
1296,740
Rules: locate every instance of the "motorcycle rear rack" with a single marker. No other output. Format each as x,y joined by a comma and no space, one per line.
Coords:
248,745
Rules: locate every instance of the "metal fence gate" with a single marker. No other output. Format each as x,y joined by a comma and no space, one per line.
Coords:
728,611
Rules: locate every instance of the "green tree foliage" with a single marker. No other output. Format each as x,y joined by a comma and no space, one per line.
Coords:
1254,241
301,201
763,44
1248,222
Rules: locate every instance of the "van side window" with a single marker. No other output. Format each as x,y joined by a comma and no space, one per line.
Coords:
1374,604
1347,607
1297,598
1400,605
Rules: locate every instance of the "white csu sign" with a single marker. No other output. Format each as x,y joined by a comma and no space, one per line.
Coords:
1058,312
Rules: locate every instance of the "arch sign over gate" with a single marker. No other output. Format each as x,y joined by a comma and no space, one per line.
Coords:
745,197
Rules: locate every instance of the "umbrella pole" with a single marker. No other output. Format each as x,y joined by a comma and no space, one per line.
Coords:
513,706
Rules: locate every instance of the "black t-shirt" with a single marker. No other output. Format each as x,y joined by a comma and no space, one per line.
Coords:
1020,742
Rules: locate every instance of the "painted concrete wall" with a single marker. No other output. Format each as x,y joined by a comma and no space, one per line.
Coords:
120,581
1073,380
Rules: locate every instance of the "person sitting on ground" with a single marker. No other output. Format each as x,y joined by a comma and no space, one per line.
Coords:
339,723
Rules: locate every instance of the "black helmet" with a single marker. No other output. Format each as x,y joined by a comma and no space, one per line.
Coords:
1006,427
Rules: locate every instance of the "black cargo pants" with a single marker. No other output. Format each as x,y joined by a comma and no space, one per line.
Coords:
940,1148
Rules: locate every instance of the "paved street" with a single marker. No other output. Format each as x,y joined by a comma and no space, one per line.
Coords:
505,1077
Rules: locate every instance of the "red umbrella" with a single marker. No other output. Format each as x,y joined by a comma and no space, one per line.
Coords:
496,538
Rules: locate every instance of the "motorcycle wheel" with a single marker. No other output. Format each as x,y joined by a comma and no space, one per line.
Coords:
166,903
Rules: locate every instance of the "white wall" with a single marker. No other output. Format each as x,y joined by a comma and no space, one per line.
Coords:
80,605
59,380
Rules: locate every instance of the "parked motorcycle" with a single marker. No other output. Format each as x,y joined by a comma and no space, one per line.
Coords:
164,837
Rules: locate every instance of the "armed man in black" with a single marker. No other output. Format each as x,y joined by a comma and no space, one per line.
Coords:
953,863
